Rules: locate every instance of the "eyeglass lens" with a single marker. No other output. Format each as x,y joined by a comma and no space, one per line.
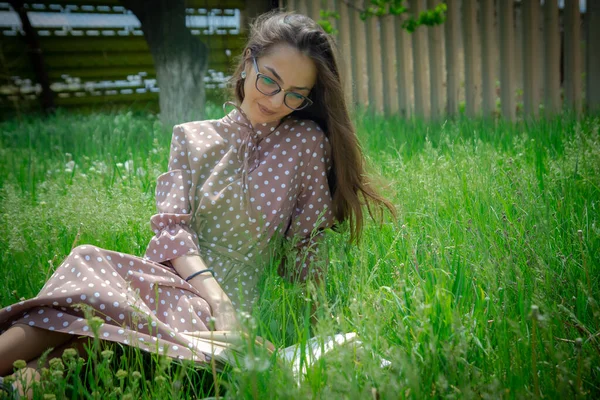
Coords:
269,87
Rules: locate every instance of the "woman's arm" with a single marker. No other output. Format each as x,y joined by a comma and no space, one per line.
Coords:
210,290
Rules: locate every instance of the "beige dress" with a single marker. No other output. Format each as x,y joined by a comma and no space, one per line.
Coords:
230,188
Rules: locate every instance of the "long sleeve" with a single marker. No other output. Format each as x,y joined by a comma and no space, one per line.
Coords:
312,214
175,203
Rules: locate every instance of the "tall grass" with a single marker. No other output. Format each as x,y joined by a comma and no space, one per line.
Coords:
486,286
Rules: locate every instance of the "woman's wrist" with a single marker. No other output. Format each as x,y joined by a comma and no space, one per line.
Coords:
204,272
188,264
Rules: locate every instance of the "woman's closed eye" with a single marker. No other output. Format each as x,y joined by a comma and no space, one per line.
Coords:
296,96
268,81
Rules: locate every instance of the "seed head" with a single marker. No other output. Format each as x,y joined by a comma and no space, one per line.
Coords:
121,374
107,354
95,323
136,375
535,312
56,364
19,364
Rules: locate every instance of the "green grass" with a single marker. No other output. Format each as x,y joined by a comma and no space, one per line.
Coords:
486,286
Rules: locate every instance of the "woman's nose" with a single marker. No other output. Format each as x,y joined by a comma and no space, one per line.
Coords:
277,99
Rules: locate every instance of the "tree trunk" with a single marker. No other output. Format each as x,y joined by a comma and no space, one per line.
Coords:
37,57
593,57
180,59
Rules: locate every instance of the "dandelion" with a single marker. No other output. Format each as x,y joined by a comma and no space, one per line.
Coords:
19,364
535,312
70,166
128,166
256,363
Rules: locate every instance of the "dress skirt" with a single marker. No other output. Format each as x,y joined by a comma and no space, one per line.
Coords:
142,303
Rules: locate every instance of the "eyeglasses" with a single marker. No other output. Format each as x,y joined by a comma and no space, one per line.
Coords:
269,87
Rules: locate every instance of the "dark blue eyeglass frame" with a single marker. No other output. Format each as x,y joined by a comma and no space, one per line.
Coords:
305,103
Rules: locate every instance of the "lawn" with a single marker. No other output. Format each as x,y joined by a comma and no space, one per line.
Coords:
487,285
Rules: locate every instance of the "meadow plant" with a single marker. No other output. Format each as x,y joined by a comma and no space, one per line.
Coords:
486,287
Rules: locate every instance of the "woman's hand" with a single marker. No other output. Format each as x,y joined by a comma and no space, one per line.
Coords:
222,309
210,290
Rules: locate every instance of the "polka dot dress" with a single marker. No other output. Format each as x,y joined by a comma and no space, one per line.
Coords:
230,188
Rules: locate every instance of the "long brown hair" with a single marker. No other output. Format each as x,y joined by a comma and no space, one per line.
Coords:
348,182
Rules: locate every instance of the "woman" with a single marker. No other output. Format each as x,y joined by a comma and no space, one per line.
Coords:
285,162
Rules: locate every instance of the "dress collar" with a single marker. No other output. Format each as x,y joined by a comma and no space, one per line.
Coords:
239,117
247,152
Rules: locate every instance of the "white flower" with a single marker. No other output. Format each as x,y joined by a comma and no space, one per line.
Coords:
129,166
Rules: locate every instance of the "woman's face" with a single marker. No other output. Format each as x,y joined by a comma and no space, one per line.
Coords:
292,70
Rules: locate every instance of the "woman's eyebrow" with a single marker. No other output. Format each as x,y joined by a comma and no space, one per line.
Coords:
281,80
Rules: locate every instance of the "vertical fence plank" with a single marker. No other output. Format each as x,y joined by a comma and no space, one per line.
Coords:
419,52
333,6
551,58
435,66
301,7
531,61
345,47
359,58
572,56
374,65
506,13
469,13
452,32
390,86
404,82
593,57
314,9
488,52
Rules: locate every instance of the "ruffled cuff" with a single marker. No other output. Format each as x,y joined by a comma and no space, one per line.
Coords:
174,238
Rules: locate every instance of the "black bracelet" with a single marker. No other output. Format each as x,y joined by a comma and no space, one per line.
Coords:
195,274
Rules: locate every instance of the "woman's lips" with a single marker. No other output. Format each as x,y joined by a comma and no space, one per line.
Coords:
264,110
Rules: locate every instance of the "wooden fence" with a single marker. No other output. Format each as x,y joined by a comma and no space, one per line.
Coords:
90,67
514,58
